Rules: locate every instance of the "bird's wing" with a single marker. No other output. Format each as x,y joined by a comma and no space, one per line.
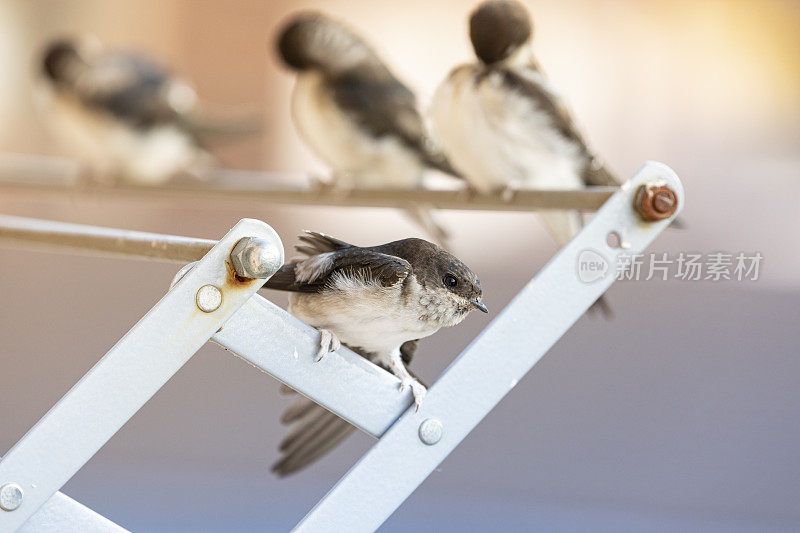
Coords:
596,173
330,258
132,88
383,106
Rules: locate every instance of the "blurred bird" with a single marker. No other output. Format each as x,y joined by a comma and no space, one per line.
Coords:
354,113
503,126
123,114
376,300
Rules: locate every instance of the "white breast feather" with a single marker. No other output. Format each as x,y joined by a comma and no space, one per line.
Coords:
364,314
497,137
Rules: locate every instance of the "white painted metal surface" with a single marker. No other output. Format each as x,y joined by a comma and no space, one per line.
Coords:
343,382
126,377
489,367
61,514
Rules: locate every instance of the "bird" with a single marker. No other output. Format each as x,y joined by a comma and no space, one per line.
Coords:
378,301
354,113
120,112
504,126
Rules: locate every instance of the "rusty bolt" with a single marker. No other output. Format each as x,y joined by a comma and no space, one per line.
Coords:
655,202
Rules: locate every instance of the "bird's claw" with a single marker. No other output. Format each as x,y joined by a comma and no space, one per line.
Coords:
328,342
508,192
418,390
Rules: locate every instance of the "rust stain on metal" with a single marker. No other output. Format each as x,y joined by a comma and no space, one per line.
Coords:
655,202
234,280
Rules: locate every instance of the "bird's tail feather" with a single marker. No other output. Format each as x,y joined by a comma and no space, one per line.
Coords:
599,175
562,225
316,432
423,216
602,308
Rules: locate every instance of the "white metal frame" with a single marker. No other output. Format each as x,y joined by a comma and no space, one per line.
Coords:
411,443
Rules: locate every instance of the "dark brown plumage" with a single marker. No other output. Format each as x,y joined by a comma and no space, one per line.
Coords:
498,28
388,263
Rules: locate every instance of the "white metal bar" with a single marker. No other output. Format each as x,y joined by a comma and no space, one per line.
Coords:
103,241
47,176
488,369
343,382
128,375
62,514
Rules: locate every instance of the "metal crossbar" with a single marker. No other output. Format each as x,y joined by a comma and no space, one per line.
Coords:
55,176
353,388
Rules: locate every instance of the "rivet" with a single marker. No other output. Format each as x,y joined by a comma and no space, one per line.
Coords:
10,497
208,298
430,431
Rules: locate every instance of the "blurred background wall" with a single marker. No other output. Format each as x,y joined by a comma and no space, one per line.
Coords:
680,414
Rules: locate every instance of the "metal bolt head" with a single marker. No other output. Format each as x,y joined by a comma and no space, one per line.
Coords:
10,496
255,258
208,298
430,431
655,202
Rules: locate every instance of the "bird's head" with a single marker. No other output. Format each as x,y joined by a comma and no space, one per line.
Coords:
313,41
65,59
446,279
498,29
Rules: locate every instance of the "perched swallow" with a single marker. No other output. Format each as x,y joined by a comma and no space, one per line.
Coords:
121,113
375,300
354,113
503,126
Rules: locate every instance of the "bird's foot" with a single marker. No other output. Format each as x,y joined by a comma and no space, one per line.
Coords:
418,390
468,192
328,342
320,184
508,192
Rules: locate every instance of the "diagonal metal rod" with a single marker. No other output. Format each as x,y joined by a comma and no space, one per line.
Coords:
56,176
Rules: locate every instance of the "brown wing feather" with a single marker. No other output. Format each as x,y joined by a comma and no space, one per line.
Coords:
345,259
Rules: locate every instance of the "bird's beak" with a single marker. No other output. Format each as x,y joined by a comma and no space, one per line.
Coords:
479,305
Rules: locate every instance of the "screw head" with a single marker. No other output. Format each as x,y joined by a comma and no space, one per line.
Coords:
255,258
430,431
10,497
208,298
655,202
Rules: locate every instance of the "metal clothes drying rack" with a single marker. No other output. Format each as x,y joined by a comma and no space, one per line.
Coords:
215,299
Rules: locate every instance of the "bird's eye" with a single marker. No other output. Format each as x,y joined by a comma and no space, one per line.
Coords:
450,280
